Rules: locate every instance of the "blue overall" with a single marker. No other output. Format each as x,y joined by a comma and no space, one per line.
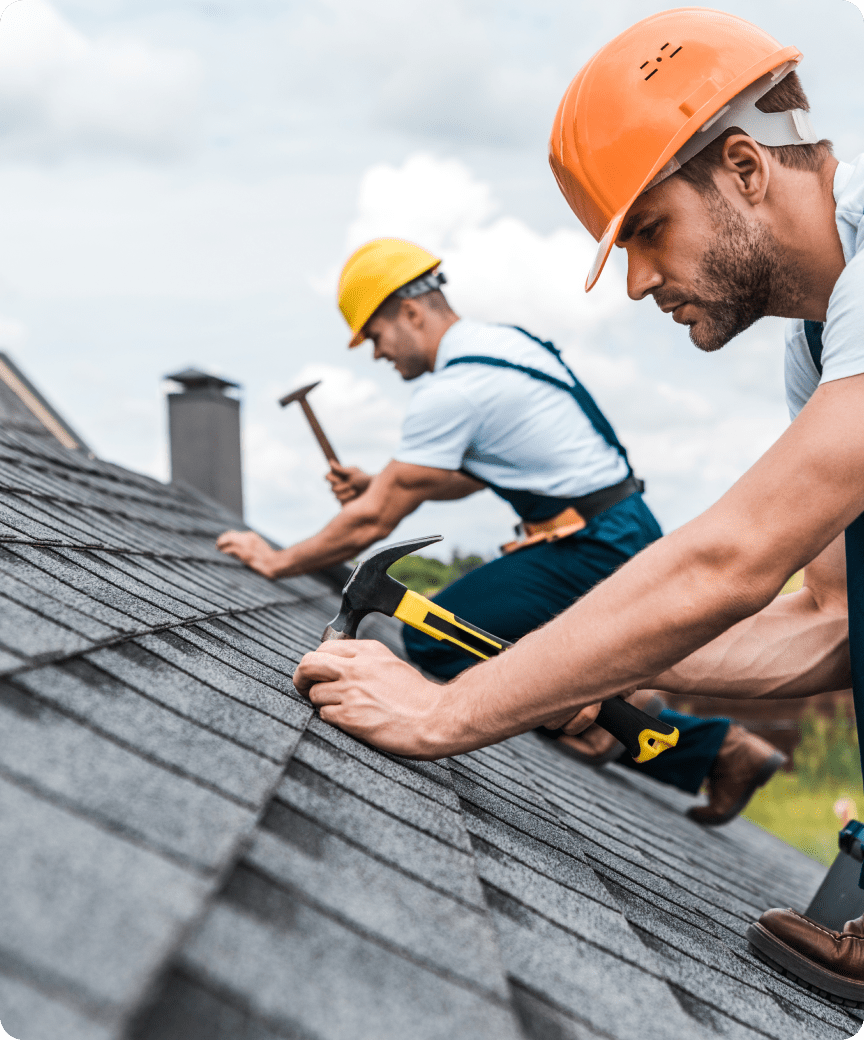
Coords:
854,577
517,593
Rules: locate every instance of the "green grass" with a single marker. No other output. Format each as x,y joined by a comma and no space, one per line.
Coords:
427,575
799,807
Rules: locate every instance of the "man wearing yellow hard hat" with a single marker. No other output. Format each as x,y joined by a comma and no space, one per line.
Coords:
687,142
499,408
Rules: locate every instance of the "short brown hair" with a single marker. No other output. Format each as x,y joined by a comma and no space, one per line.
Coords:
785,96
389,308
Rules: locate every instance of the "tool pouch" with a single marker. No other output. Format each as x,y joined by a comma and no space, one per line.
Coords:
565,523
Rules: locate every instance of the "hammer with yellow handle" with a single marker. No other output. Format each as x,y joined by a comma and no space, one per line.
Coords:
370,589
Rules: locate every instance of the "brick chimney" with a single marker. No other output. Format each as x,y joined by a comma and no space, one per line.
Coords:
204,436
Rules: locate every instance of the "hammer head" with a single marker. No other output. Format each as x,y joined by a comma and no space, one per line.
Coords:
370,588
297,395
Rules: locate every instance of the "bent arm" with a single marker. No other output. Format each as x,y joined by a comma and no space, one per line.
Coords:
394,493
796,647
684,591
673,598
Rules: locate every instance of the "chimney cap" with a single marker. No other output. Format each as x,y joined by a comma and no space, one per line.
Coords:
196,379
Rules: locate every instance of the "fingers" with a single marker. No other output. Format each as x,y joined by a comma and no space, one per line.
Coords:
327,663
583,720
323,665
226,538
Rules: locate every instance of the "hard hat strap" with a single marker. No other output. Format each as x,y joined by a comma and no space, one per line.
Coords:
773,129
426,283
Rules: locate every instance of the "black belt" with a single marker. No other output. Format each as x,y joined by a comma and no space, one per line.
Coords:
598,502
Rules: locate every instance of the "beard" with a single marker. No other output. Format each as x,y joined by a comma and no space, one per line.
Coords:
411,361
742,277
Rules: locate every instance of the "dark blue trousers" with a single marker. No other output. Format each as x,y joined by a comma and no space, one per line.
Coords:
515,594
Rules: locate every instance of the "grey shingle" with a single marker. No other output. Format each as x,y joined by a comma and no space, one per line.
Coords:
31,635
30,1014
396,795
162,808
88,907
383,832
175,648
380,900
143,671
110,706
272,949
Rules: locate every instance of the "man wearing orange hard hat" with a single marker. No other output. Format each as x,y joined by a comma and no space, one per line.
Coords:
687,142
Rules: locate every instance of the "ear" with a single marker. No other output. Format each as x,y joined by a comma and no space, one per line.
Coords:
413,313
746,164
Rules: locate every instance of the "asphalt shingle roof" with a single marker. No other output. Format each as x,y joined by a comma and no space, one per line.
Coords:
189,853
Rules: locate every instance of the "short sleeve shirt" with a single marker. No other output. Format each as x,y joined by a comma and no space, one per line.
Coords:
843,332
502,426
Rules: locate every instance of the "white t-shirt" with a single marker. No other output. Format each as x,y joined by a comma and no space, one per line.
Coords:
502,426
843,333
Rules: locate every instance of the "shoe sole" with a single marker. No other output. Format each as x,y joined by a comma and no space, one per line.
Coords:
775,762
799,969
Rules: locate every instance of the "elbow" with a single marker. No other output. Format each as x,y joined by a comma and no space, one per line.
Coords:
745,576
368,531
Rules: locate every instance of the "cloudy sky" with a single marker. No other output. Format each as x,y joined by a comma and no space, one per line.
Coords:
181,181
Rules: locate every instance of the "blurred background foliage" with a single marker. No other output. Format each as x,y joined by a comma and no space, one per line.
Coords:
427,575
799,807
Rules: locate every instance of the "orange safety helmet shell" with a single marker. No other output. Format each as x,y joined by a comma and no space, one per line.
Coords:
640,98
372,273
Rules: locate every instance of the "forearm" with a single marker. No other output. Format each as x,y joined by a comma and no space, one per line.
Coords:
792,648
657,609
347,534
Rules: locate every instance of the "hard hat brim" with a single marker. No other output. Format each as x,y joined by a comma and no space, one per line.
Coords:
605,246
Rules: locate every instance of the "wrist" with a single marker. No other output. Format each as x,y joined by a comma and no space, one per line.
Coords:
448,729
277,565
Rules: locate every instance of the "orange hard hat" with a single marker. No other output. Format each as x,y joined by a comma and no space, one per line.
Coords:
654,97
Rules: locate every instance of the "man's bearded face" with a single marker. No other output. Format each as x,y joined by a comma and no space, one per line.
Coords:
740,279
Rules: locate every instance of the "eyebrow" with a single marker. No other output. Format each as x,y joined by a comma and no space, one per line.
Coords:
630,225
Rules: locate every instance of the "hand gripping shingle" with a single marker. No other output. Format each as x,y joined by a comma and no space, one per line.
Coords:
370,589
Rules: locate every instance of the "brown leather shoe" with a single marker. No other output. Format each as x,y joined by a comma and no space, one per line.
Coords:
830,964
595,747
744,763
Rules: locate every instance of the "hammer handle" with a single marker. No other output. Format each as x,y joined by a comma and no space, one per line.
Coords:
320,436
643,736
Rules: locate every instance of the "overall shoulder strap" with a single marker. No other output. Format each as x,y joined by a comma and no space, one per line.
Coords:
577,391
813,332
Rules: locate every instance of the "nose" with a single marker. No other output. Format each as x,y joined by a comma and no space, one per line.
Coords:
642,276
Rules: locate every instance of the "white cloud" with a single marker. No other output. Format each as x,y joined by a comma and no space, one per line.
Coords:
498,269
63,92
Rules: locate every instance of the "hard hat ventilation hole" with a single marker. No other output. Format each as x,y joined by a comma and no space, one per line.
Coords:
658,59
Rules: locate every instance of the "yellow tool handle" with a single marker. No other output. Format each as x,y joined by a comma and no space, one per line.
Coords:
421,613
644,737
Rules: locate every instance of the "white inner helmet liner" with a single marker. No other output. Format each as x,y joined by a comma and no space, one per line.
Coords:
773,129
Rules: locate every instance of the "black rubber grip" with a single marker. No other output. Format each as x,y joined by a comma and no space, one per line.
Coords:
625,722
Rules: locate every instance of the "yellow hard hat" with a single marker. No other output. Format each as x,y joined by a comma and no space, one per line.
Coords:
654,97
375,271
